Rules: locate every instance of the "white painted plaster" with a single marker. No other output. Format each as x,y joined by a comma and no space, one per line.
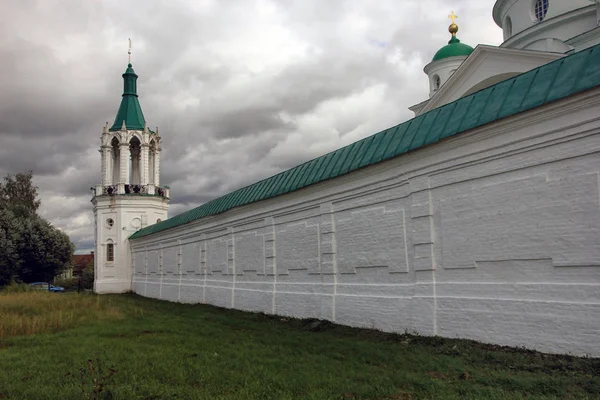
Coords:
128,212
564,21
486,66
490,235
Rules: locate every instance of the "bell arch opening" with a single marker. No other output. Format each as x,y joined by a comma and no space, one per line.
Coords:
116,160
135,149
152,162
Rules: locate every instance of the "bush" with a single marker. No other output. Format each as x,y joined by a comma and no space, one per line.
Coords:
69,284
17,288
87,277
83,282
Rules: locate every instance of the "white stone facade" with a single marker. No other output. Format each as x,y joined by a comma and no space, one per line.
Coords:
486,66
489,235
128,199
564,21
440,71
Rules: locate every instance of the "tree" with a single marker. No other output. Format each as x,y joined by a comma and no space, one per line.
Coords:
19,194
87,276
10,232
31,249
43,250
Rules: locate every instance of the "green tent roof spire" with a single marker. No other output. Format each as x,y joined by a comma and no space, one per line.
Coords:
130,110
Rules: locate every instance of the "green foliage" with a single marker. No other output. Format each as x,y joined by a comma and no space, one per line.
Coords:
83,282
44,250
10,233
69,284
94,378
18,288
178,351
19,194
31,249
87,277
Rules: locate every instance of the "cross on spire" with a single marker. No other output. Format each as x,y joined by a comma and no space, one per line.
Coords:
453,17
129,51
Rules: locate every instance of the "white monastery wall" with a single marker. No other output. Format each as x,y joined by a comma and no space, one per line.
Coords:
490,235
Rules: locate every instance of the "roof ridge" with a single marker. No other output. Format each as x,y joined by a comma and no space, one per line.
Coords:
456,117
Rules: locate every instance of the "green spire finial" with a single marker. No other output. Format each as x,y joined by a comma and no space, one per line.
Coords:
130,112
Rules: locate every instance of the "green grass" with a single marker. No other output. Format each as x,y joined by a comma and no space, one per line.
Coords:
159,350
27,312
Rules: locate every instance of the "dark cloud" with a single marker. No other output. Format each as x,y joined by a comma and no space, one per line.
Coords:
241,90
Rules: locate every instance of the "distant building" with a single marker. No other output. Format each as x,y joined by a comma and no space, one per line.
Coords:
81,262
78,263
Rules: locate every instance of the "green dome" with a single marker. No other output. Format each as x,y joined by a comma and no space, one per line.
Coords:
454,48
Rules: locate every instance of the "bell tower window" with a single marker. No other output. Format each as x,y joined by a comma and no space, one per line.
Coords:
507,28
110,252
437,82
540,9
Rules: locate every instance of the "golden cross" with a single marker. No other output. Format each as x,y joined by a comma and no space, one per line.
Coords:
452,16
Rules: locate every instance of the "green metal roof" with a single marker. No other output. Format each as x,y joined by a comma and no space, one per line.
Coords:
130,110
454,48
543,85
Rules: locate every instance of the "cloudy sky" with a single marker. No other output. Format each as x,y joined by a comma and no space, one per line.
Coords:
240,89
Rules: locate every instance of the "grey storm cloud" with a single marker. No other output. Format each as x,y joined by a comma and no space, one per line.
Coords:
240,89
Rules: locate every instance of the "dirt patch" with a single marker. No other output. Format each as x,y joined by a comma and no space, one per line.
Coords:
316,325
437,375
146,333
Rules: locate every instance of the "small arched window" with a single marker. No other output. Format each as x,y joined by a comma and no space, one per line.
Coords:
110,252
540,9
437,82
507,28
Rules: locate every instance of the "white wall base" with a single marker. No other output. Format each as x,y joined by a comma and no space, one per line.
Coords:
112,286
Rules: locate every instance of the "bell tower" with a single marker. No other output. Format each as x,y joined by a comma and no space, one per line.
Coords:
130,196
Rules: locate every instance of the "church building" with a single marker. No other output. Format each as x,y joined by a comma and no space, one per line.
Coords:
479,218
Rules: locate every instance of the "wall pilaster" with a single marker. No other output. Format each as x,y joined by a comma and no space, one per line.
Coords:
424,304
157,167
422,222
124,163
270,252
327,240
106,162
230,251
203,266
144,164
135,167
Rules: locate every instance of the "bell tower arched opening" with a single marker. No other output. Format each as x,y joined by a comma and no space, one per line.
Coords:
116,161
152,162
135,149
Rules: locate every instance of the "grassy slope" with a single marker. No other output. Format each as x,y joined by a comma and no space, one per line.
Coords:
175,351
